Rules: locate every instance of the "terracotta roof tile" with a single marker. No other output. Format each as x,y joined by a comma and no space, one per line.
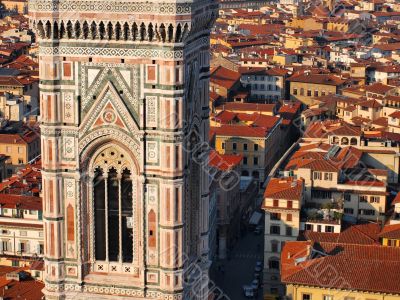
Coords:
224,161
284,188
327,79
360,267
224,77
391,231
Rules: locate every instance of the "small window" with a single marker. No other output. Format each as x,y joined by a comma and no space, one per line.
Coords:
223,145
234,146
347,197
275,216
245,160
289,217
4,245
289,204
274,264
329,228
244,147
318,175
366,212
327,297
349,211
255,160
274,246
363,198
288,231
276,203
275,229
255,147
306,297
374,199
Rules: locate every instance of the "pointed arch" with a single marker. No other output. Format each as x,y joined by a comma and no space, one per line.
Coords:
126,31
110,31
40,29
142,32
55,31
77,30
150,32
185,32
85,30
69,30
48,29
170,33
135,31
162,33
157,33
178,33
62,30
102,31
118,31
93,30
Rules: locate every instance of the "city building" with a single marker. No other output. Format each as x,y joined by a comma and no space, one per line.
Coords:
226,182
266,85
283,200
305,87
20,148
256,137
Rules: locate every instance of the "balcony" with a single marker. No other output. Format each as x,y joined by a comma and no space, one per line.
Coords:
321,215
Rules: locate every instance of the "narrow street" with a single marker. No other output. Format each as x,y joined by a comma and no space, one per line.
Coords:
238,270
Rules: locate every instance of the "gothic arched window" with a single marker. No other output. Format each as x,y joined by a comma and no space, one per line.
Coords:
113,210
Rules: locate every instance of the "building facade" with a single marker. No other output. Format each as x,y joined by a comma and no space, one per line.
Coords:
283,200
124,110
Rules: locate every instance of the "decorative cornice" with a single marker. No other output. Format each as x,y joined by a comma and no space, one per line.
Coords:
92,6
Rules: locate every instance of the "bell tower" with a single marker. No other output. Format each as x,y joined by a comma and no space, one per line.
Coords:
124,89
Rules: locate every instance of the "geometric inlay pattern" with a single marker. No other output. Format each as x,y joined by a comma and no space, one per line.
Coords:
94,75
111,6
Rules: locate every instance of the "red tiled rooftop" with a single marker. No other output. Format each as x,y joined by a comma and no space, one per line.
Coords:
239,130
224,162
362,234
327,79
238,106
21,202
390,231
361,267
378,88
284,188
224,77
